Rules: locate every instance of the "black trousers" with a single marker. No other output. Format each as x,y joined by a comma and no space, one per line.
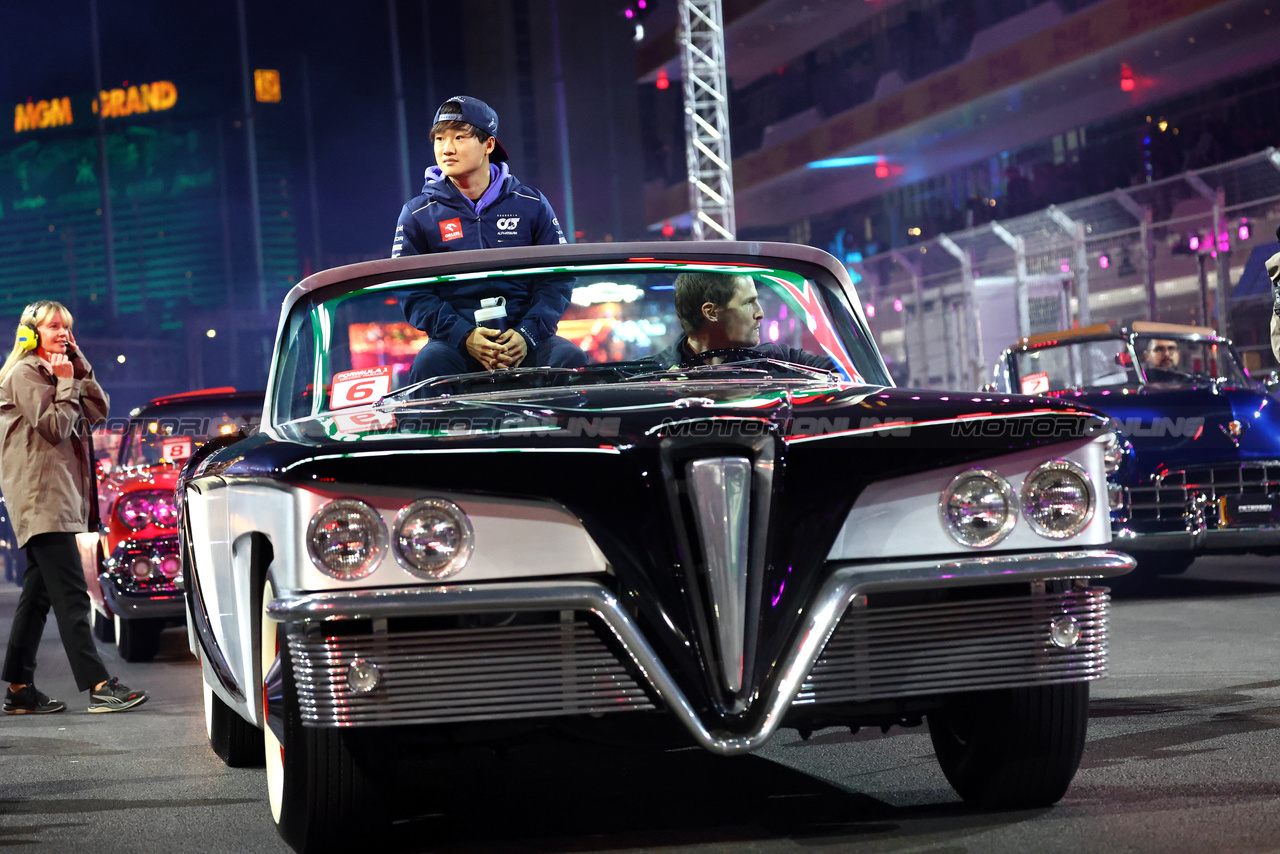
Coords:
54,578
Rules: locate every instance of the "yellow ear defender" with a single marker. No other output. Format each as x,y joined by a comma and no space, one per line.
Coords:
28,338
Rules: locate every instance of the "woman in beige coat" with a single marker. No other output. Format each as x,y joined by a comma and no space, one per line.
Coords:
49,400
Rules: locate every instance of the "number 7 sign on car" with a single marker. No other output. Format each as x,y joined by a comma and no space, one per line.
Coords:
358,387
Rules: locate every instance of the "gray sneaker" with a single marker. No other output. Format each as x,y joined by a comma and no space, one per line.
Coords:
114,697
29,701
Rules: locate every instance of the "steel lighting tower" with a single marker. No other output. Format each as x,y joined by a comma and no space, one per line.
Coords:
706,116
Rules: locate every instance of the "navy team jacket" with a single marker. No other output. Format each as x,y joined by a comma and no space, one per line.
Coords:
508,214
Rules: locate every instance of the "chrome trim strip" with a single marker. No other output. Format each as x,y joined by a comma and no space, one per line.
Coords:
967,645
465,674
847,581
721,491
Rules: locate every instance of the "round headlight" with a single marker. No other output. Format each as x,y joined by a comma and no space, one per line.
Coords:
346,539
433,538
1057,499
978,508
135,510
163,512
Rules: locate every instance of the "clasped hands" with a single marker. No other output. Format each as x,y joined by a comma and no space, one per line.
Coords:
497,350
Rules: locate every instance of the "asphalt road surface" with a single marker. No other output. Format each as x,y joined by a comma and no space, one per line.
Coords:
1183,755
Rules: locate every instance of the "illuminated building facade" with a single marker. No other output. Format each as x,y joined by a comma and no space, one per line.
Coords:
176,164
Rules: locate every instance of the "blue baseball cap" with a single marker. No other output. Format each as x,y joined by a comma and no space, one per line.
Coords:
473,111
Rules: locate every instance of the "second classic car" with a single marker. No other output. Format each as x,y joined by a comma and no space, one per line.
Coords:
1194,461
708,547
133,567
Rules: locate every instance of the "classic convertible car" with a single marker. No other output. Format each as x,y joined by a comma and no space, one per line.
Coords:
133,566
705,551
1194,465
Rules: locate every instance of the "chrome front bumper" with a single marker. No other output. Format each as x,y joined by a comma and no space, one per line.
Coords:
325,701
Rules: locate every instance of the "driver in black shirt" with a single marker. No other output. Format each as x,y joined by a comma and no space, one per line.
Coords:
1163,361
722,311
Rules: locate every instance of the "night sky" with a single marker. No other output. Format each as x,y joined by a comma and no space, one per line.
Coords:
48,53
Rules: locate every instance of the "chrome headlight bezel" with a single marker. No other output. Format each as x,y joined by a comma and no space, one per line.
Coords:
450,512
1058,467
1000,487
1113,452
377,531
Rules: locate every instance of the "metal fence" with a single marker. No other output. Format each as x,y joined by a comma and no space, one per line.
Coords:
1159,251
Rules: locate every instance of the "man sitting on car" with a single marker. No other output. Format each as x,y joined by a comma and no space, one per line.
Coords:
721,311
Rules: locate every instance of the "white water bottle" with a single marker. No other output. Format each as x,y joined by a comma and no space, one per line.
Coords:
492,313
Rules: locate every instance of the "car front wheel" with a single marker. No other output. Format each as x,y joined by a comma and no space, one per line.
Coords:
321,798
104,627
138,639
1012,749
237,742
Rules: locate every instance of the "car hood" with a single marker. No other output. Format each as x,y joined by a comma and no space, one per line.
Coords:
951,426
616,468
1172,428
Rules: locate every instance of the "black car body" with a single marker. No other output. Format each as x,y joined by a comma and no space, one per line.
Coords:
711,551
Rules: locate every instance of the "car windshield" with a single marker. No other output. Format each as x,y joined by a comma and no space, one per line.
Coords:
1076,366
170,433
354,346
1187,361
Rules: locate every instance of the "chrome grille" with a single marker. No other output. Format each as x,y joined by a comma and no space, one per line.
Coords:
938,648
1170,496
478,674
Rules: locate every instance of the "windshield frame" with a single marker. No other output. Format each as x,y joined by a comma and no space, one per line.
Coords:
180,415
840,298
1128,340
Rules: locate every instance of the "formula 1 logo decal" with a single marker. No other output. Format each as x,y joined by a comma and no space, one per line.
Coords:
507,224
451,229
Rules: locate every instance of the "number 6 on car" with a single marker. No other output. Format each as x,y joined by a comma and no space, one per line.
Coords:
356,388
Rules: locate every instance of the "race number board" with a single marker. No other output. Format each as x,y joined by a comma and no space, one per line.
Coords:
1037,383
355,388
176,448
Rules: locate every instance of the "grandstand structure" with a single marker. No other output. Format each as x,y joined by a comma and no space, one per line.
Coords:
918,139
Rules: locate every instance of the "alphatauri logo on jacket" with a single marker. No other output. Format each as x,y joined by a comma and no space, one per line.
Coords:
507,224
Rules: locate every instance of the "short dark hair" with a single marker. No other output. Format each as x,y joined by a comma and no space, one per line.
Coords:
452,124
693,290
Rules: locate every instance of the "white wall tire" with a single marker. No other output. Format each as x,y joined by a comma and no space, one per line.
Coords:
321,798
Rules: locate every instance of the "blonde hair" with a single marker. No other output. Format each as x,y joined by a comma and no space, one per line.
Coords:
35,315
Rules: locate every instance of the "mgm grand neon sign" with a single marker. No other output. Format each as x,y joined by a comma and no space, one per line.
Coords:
113,103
